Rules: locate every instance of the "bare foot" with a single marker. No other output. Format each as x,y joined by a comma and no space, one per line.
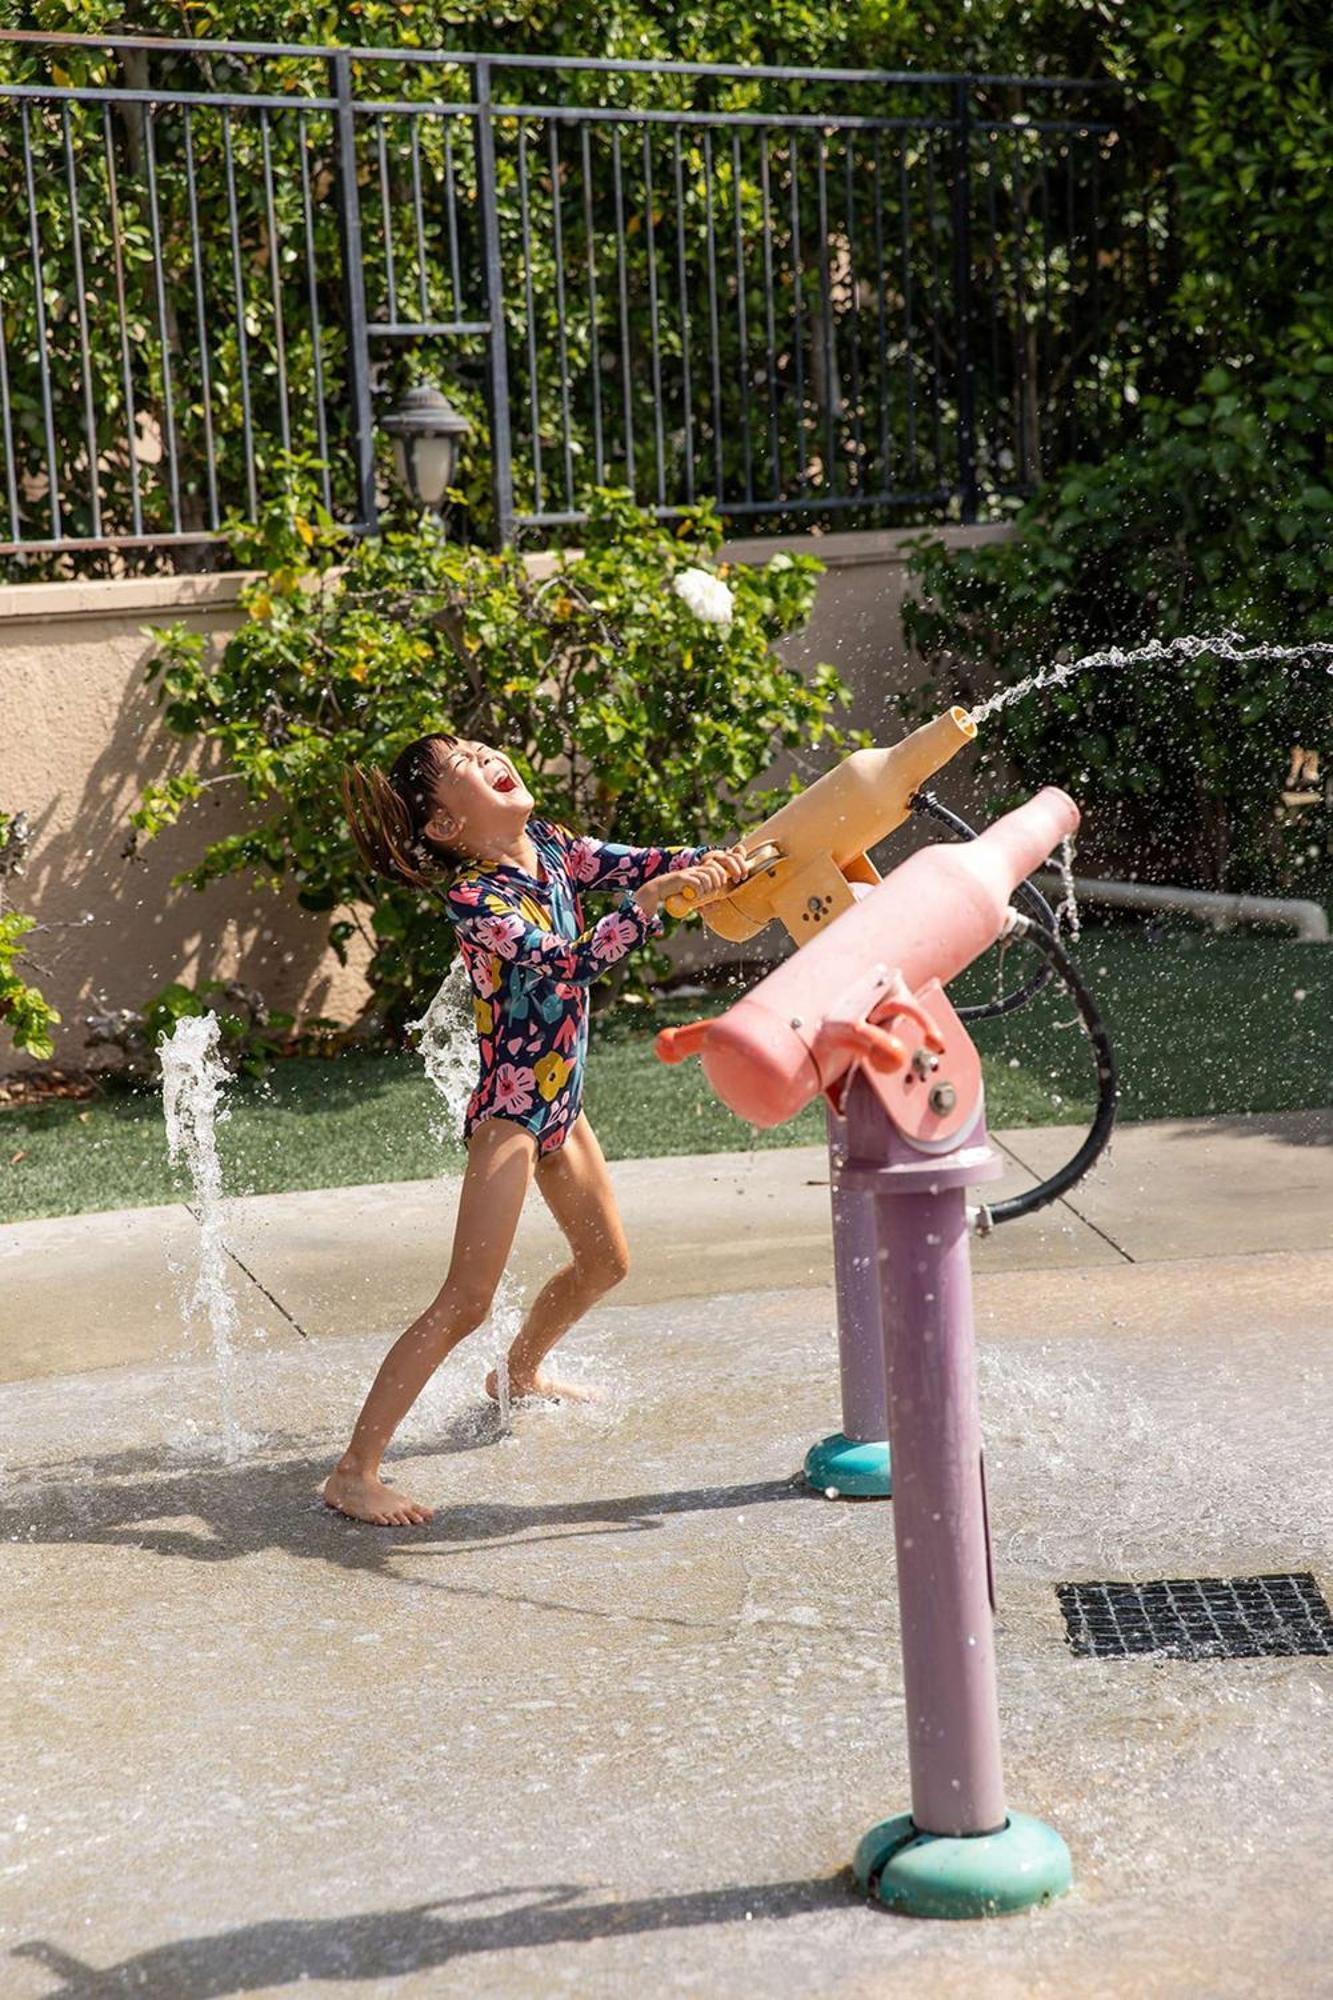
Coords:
363,1498
541,1388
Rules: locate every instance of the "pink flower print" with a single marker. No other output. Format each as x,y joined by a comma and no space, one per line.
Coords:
467,892
581,860
567,1033
613,938
487,973
514,1044
502,934
513,1089
552,1140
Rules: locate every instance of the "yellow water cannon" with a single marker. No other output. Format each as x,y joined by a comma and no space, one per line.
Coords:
805,859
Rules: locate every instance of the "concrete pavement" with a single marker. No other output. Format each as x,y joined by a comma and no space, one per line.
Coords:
102,1290
612,1724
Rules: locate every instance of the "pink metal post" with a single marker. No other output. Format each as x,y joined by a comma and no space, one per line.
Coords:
855,1460
940,1528
865,1401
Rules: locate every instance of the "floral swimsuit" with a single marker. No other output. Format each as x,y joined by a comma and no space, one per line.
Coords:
530,962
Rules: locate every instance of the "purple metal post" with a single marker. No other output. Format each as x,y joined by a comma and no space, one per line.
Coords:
865,1402
945,1588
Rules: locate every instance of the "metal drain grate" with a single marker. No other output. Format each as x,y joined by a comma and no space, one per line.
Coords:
1197,1618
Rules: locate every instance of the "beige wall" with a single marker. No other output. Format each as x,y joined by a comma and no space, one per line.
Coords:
80,736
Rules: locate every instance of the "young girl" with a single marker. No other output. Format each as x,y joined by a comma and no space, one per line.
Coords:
456,809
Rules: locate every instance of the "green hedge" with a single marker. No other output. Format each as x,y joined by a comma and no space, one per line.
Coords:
1218,515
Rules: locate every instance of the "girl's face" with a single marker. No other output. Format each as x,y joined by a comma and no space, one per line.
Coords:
481,803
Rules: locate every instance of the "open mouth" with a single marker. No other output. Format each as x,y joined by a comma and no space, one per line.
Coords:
504,782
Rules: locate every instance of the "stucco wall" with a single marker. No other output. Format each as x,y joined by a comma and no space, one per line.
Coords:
80,736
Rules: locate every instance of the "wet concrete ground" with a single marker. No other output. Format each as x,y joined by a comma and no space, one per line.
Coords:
613,1723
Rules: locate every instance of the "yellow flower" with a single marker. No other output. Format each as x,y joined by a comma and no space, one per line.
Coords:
359,668
551,1073
261,605
482,1014
304,530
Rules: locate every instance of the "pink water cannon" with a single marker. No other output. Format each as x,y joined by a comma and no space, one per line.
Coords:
860,1016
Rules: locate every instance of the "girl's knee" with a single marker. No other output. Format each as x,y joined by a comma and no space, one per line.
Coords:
460,1309
606,1269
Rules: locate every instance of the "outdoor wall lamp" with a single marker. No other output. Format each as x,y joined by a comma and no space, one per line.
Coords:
427,432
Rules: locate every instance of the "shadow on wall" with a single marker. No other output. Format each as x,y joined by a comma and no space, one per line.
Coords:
83,735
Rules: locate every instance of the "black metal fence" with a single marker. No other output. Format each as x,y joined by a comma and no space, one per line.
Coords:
845,297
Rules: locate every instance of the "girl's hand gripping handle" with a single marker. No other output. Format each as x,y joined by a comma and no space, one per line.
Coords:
715,875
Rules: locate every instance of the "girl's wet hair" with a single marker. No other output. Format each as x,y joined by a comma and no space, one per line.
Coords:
388,815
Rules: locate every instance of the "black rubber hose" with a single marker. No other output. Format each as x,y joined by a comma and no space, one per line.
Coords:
1108,1085
1026,894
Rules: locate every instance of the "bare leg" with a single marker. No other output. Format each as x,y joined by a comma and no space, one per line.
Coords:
499,1168
576,1187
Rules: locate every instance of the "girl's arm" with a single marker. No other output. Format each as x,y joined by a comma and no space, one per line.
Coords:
606,864
497,924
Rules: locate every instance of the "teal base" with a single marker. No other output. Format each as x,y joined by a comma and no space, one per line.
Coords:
847,1470
969,1875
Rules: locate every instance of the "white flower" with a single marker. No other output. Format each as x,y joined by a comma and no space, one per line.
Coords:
705,595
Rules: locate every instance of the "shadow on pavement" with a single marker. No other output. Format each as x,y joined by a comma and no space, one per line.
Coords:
1290,1128
387,1944
213,1514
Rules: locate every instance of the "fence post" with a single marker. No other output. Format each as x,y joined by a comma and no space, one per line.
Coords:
962,284
354,294
497,385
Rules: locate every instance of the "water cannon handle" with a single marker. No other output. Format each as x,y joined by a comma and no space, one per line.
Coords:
874,1046
687,901
677,1045
905,1005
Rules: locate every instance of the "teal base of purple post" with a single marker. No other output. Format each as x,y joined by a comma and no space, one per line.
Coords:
843,1468
1023,1864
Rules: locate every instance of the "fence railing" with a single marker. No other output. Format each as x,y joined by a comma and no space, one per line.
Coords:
846,297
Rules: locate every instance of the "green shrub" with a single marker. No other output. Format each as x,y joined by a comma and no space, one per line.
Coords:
629,717
251,1034
25,1015
1203,526
1218,515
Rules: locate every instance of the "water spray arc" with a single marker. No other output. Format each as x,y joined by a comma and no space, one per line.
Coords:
861,1017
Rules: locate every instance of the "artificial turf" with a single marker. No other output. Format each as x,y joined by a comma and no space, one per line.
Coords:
1202,1025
